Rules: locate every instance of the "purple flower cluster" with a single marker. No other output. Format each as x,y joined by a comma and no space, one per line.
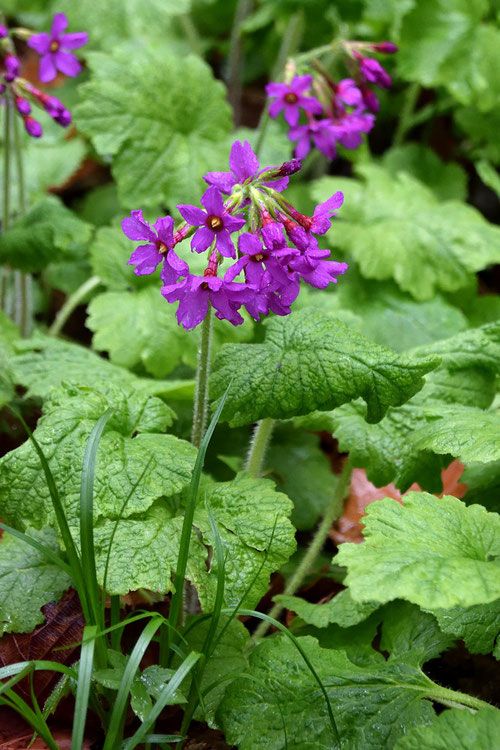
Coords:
337,114
278,250
54,56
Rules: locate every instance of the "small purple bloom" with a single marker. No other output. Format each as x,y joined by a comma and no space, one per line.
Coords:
372,71
159,246
33,127
3,31
315,270
215,223
53,48
22,105
259,263
322,214
289,96
196,292
11,64
369,98
321,133
386,48
244,167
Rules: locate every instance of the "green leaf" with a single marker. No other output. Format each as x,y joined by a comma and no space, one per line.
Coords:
163,118
302,471
45,234
447,180
28,580
483,482
341,610
276,704
434,552
256,535
109,255
311,361
481,129
412,635
467,433
477,626
395,228
489,175
455,728
142,468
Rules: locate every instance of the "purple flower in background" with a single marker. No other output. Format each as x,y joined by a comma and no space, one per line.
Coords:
244,167
159,246
320,131
196,292
215,223
3,31
53,48
290,97
372,71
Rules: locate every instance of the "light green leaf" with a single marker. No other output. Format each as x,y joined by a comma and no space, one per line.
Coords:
277,703
145,467
412,635
456,728
395,228
45,234
302,471
341,610
311,361
482,131
49,161
447,180
477,626
28,580
467,433
489,175
434,552
163,118
256,534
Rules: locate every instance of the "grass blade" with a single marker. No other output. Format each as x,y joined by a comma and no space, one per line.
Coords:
83,686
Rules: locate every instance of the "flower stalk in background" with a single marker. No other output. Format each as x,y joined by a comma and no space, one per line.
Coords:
339,112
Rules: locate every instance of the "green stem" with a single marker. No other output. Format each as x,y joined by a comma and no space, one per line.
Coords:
243,8
6,163
20,168
200,412
258,446
454,699
314,548
405,119
71,303
23,283
192,35
291,41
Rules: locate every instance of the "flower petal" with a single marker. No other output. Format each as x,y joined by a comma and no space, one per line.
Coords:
249,244
73,41
47,70
135,228
59,23
146,258
67,63
164,228
213,202
40,43
192,214
224,245
300,84
242,161
223,181
202,239
276,107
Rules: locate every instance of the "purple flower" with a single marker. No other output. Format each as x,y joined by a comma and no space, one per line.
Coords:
11,64
33,127
244,167
196,292
290,98
321,219
53,48
387,48
369,98
372,71
3,31
321,133
260,265
22,105
315,270
215,223
159,246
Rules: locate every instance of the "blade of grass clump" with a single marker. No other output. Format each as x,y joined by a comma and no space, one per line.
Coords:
38,665
180,573
280,626
39,546
87,518
69,544
164,697
115,727
83,686
14,701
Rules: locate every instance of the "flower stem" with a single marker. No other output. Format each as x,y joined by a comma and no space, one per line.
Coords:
23,284
291,40
314,548
243,8
71,303
405,122
200,411
454,699
6,164
258,446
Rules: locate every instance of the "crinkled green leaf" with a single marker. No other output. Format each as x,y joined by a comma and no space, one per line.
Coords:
256,534
457,729
342,610
478,626
434,552
134,458
163,118
311,361
396,228
448,180
109,255
302,471
28,580
277,703
467,433
44,234
412,635
9,333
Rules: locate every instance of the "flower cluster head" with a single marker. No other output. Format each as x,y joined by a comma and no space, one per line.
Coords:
339,112
276,246
54,56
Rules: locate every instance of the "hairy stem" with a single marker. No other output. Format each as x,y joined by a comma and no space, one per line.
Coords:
6,163
290,42
71,303
23,283
258,446
314,548
454,699
200,412
405,122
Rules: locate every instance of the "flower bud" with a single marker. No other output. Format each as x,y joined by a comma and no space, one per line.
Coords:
11,64
3,31
386,48
22,105
33,127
